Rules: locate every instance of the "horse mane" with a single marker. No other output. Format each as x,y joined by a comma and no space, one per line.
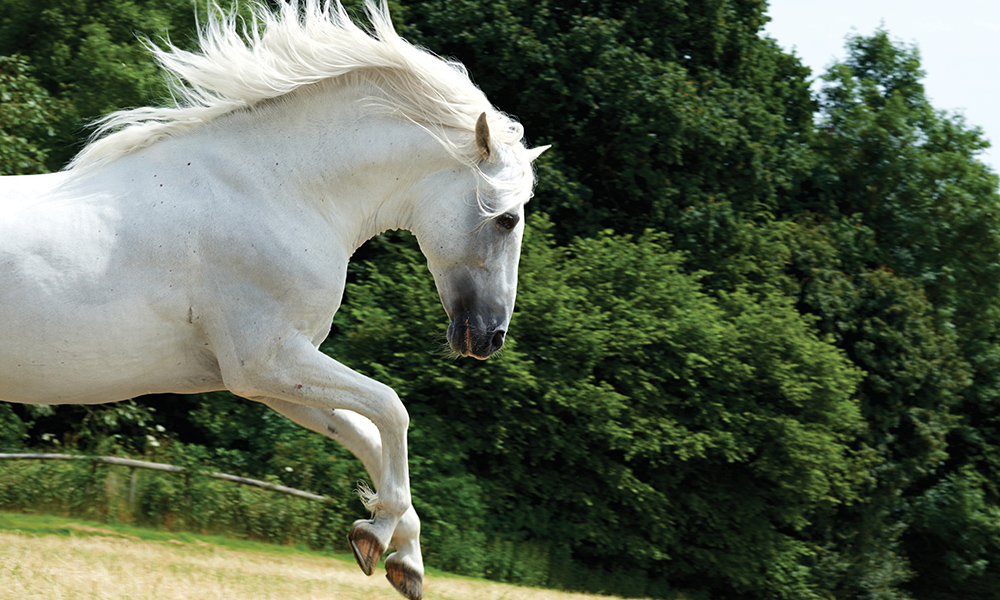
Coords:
240,64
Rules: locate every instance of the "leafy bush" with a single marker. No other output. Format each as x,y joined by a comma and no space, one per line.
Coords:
85,489
634,422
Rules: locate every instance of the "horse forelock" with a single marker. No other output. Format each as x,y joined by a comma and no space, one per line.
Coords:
240,64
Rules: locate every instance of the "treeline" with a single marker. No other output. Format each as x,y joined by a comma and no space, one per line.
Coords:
755,352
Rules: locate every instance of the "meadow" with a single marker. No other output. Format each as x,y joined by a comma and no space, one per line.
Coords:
53,558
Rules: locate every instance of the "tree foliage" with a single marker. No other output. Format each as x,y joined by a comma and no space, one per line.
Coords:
27,118
86,54
622,370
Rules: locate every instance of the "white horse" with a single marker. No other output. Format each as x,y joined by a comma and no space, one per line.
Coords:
204,246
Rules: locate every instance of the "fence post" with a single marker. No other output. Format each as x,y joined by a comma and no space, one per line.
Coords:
133,477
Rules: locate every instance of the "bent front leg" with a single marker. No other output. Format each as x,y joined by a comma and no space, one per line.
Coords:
300,374
405,567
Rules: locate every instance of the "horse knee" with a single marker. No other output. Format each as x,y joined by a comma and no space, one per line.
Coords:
395,415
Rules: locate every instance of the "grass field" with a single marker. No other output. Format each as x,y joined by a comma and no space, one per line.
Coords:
50,558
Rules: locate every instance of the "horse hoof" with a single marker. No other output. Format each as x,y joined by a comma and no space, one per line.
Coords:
405,579
366,547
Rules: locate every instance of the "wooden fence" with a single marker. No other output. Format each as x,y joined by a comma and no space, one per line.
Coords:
140,464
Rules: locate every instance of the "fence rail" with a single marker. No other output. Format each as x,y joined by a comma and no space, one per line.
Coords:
152,466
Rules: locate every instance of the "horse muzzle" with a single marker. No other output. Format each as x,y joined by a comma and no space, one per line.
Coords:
468,336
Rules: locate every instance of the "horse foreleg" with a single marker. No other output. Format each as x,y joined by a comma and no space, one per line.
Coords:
300,374
405,567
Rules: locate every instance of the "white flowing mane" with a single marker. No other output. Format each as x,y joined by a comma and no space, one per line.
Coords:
240,65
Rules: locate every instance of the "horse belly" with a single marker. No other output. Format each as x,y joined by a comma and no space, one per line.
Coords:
61,349
98,361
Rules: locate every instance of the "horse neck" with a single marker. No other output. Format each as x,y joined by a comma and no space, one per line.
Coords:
329,150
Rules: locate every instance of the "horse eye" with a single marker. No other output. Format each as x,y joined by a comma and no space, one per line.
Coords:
507,221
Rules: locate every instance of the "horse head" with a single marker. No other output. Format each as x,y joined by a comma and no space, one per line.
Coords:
472,242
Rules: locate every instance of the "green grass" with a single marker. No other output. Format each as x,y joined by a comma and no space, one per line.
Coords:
36,524
48,557
39,524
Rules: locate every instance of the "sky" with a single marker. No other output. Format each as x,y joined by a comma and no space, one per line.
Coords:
959,43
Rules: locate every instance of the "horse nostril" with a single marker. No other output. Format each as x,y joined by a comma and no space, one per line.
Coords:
498,339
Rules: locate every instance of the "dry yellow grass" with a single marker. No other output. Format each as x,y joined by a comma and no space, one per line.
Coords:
120,567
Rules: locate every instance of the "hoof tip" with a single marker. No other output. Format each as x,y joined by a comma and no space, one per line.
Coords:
405,579
366,547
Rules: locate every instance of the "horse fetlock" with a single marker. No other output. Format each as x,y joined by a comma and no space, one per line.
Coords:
369,497
393,502
408,528
387,504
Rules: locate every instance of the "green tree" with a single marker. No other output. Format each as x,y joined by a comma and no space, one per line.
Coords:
899,257
912,175
662,113
634,425
87,55
28,118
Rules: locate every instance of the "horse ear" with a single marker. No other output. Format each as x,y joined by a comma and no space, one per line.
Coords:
483,136
534,153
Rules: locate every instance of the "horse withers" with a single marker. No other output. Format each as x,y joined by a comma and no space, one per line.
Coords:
201,246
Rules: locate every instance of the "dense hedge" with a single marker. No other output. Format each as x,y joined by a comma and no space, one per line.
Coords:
170,501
